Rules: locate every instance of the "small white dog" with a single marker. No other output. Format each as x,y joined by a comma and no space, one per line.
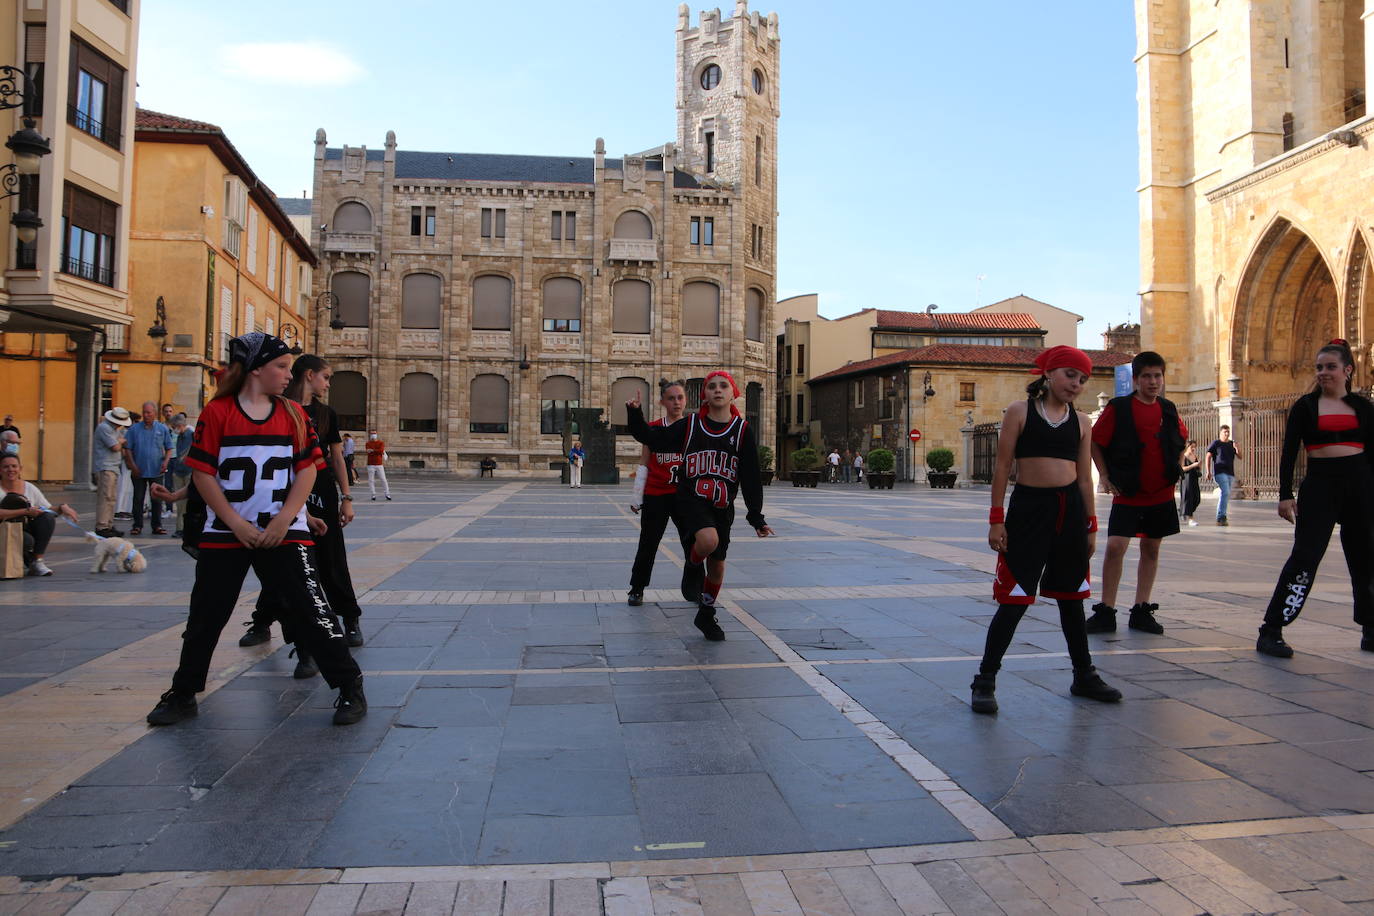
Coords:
127,558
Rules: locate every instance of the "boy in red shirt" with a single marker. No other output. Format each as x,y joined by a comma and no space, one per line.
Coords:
1137,458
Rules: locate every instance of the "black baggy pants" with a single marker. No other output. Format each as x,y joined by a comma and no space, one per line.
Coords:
1335,490
653,521
331,554
287,570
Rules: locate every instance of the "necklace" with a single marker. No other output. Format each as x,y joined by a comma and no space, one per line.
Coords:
1052,424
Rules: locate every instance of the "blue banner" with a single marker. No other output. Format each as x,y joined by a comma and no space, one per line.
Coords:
1125,383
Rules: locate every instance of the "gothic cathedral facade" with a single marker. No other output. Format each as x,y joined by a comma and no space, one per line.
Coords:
465,301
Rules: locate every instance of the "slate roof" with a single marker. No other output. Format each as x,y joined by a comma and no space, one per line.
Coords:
294,206
501,167
958,321
964,355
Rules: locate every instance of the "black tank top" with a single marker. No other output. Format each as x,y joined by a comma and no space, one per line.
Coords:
1039,439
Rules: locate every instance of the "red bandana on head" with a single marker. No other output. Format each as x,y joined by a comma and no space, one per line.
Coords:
734,389
1062,357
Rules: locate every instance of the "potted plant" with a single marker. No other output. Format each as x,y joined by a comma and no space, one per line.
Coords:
803,462
765,465
878,468
940,460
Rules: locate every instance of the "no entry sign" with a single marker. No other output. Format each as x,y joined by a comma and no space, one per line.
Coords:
915,435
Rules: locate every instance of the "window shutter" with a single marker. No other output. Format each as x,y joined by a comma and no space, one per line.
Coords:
633,225
355,292
701,309
631,302
250,318
490,399
559,388
352,217
562,298
348,393
35,43
419,396
753,315
420,295
623,390
252,241
491,303
114,106
271,260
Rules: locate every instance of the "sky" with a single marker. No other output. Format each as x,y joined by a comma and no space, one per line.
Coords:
929,152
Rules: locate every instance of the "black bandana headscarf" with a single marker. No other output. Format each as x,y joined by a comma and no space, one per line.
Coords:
256,349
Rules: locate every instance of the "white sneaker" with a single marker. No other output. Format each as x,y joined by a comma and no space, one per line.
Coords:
39,568
1192,523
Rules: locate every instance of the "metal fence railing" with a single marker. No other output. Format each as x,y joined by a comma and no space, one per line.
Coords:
1260,438
985,450
1204,424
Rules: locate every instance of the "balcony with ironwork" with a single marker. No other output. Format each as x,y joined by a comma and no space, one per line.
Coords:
87,123
88,271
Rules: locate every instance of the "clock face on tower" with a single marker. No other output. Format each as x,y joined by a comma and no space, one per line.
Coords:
710,77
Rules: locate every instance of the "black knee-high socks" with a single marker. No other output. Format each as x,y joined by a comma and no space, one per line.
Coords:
1003,628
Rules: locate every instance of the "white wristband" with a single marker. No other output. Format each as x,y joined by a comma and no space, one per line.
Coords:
641,478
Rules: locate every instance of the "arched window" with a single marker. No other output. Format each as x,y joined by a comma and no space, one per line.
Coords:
622,390
490,404
348,397
352,217
420,298
633,224
354,290
491,303
753,314
631,307
419,403
701,309
753,408
563,304
558,393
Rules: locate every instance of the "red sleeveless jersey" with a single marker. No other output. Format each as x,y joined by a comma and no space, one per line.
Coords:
664,470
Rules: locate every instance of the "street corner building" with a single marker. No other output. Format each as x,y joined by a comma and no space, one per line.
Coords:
468,300
1256,192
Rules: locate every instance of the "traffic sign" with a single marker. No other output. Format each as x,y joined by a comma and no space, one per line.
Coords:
915,435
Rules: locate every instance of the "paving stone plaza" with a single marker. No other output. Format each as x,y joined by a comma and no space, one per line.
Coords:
535,746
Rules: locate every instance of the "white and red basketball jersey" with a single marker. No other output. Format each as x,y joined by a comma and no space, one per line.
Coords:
255,463
664,469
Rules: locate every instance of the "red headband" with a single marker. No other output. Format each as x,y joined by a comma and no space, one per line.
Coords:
734,389
1062,357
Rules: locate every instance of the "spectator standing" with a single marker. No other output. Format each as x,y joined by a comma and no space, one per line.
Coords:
847,465
576,458
147,452
168,415
178,472
108,459
1222,456
376,464
858,468
9,442
9,427
23,502
833,461
349,447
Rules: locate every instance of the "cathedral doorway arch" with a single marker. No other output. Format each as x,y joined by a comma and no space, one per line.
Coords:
1286,307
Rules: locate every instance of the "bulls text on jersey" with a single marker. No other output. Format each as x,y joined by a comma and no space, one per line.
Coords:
712,463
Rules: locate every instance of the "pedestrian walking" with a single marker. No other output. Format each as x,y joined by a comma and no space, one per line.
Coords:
1190,484
331,502
376,464
858,467
655,492
1045,539
23,503
254,461
719,459
178,472
349,447
576,457
1336,428
147,452
1137,442
107,461
1222,456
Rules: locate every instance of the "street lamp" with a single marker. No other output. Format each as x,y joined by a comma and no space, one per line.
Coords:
524,357
29,148
159,328
328,301
927,392
290,335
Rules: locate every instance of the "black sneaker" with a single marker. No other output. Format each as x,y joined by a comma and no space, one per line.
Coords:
1088,683
350,705
706,622
1271,642
1143,619
1367,641
693,574
636,597
172,707
984,688
109,533
305,665
1103,619
255,636
353,633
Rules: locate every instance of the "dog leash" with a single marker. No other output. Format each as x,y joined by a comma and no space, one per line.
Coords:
133,551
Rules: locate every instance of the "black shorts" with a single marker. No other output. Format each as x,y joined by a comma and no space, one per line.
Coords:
1157,521
1047,546
694,514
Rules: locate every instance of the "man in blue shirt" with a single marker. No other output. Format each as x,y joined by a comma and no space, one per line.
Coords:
1222,456
147,452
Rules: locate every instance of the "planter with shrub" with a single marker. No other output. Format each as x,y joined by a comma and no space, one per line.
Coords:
803,467
878,466
940,477
765,465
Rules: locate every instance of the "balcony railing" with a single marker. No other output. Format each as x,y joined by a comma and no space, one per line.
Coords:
633,250
85,122
351,242
88,271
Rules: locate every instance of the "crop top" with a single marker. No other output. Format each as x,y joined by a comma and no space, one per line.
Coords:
1039,439
1305,428
1334,423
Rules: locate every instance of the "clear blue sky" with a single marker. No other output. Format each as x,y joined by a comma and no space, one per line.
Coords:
921,144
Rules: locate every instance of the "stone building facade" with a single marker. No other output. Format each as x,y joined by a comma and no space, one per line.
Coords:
480,295
1256,209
